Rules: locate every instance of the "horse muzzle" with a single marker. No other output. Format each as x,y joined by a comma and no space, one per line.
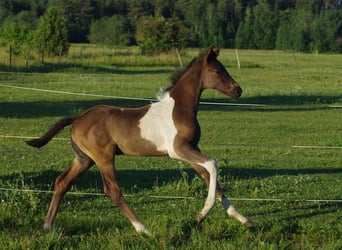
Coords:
236,93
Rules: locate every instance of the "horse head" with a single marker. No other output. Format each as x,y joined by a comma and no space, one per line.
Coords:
215,76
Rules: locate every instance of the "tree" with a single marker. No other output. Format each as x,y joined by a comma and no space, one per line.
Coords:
108,8
115,30
284,39
13,35
18,38
78,15
301,25
191,12
4,12
258,29
327,31
264,26
141,8
233,15
244,38
222,22
158,34
210,22
301,30
51,37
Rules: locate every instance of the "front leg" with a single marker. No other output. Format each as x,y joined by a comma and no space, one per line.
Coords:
228,207
211,167
193,156
232,212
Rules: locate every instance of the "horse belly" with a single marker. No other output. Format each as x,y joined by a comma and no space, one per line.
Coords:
140,148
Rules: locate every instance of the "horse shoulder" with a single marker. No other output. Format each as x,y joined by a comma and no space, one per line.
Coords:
157,125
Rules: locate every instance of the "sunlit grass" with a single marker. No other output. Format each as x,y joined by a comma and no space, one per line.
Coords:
252,146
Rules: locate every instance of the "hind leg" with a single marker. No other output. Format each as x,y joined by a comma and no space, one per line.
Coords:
96,142
113,191
62,184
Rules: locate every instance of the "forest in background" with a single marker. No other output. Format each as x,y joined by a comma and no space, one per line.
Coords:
49,26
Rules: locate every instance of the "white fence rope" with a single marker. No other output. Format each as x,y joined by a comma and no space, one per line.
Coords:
274,146
74,93
137,98
30,137
176,197
206,145
123,97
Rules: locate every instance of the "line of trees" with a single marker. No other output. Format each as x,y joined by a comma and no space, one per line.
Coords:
159,25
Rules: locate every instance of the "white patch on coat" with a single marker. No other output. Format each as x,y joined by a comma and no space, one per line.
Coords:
157,125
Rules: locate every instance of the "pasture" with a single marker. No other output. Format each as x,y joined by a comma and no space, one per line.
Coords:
292,193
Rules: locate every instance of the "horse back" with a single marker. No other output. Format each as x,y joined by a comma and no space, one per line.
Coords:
103,126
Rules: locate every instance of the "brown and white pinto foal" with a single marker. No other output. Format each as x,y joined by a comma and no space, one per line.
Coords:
168,127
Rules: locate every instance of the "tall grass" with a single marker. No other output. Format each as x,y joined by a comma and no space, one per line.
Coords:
91,57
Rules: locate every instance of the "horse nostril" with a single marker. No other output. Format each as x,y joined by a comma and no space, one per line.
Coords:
239,91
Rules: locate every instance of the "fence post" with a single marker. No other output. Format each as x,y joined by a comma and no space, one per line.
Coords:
237,58
179,58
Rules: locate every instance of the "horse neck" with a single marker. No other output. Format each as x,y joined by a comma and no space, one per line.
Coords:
187,91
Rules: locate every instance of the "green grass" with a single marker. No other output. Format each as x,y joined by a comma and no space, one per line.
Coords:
252,146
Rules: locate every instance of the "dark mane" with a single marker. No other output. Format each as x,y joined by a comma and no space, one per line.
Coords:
178,73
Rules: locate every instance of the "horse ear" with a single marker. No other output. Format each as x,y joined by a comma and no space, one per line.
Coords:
211,53
217,51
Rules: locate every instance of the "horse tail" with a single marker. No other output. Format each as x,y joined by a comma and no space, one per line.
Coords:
54,130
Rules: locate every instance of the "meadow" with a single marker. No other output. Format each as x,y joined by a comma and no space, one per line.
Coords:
280,160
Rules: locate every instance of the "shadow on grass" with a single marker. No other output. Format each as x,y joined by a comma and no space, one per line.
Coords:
67,108
286,221
273,228
138,180
63,108
311,210
275,103
178,240
79,68
299,209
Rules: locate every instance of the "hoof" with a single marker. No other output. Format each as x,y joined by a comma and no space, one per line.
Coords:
200,218
145,232
141,229
248,223
47,227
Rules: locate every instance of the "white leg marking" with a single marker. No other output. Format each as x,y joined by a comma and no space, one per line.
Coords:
140,228
212,169
232,212
47,226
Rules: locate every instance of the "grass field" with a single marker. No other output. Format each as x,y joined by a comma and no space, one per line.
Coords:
274,183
